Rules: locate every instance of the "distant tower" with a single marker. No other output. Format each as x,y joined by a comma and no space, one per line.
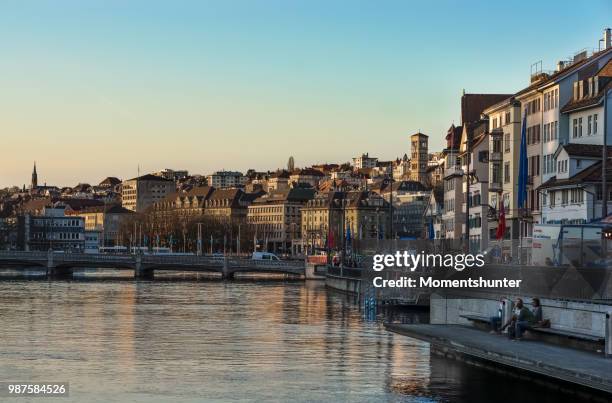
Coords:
419,158
34,177
291,164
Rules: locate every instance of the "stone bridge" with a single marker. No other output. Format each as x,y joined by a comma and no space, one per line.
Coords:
60,264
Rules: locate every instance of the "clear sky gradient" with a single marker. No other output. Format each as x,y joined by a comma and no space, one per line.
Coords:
91,89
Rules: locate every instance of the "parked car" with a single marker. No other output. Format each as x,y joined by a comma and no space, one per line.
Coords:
264,256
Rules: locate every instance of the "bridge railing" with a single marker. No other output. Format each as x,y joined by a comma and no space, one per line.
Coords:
186,260
154,259
22,255
295,264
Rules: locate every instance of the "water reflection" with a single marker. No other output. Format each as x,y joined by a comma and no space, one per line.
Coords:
216,341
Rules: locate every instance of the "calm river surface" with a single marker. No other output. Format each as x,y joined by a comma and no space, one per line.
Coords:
192,341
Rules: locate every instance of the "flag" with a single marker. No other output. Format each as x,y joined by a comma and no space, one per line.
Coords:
522,174
432,232
501,225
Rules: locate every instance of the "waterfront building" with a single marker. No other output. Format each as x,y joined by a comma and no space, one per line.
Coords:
504,147
409,200
474,155
139,193
226,179
452,217
223,205
574,195
326,218
104,220
52,229
472,107
531,107
92,242
571,193
276,218
228,205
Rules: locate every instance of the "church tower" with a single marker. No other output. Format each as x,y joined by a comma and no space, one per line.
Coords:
34,177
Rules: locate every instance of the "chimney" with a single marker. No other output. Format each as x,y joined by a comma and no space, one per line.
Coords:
607,38
560,65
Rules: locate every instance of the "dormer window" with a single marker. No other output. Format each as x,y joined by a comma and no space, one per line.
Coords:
575,91
590,89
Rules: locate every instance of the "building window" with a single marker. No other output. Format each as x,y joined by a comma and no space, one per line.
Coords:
589,125
579,127
507,172
577,196
552,198
594,124
575,128
507,142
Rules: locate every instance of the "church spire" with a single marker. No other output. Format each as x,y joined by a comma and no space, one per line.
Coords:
34,177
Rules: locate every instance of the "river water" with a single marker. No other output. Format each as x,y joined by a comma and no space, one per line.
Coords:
193,341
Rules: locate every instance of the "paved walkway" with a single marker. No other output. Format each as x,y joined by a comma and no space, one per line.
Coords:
579,367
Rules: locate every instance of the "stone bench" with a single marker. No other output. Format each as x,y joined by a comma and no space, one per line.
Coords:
566,338
561,337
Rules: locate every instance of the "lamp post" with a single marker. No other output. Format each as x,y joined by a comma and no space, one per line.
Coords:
199,239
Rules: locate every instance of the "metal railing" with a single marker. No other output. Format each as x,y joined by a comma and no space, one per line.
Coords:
152,259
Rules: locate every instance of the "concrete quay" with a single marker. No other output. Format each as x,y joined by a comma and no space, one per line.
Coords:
557,363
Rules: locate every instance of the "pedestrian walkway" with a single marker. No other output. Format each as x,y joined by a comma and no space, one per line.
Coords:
579,367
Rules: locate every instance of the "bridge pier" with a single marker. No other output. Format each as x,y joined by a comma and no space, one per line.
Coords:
226,274
54,272
59,273
142,272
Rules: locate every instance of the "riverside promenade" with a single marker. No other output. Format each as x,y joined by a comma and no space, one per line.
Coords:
586,369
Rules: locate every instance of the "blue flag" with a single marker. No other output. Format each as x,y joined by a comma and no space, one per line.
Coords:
432,233
522,173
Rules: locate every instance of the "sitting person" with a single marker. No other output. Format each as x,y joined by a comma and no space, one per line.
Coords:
539,321
520,321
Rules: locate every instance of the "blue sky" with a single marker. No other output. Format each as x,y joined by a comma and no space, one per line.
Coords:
95,88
